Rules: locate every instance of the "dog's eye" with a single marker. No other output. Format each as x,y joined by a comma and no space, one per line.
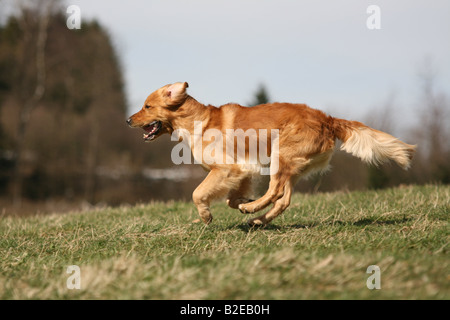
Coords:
147,107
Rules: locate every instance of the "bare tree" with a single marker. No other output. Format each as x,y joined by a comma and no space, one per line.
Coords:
29,102
432,130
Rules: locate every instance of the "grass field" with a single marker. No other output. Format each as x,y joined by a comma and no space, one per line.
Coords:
319,249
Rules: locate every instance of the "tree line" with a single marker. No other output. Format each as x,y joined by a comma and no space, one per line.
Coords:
63,110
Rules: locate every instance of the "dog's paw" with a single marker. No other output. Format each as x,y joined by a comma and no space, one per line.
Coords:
242,208
256,223
205,221
246,208
236,202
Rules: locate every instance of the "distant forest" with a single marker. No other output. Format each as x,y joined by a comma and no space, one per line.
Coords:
63,110
63,133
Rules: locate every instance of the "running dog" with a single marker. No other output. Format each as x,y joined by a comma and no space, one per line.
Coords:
299,139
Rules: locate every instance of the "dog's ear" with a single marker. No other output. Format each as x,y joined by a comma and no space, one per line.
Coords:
176,93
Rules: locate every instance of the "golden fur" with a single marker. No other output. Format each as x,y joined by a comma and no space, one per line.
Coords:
306,143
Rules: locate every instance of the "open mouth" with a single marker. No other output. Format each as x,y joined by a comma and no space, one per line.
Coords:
152,130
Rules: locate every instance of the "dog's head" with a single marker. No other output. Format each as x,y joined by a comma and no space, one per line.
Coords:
158,111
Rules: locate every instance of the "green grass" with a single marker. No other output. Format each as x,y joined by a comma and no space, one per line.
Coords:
319,248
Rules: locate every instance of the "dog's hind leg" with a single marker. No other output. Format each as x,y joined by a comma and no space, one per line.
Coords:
287,169
281,193
278,208
275,192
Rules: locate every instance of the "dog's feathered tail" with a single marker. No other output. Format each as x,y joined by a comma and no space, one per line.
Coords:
372,146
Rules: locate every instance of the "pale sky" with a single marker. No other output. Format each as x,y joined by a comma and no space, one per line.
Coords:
306,51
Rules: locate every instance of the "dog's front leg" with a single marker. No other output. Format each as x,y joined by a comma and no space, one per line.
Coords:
239,195
214,186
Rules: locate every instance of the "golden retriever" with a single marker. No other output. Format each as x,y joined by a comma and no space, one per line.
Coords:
299,139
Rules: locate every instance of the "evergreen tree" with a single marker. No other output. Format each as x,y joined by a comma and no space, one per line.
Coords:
261,96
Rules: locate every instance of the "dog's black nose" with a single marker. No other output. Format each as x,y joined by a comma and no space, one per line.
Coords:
129,121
